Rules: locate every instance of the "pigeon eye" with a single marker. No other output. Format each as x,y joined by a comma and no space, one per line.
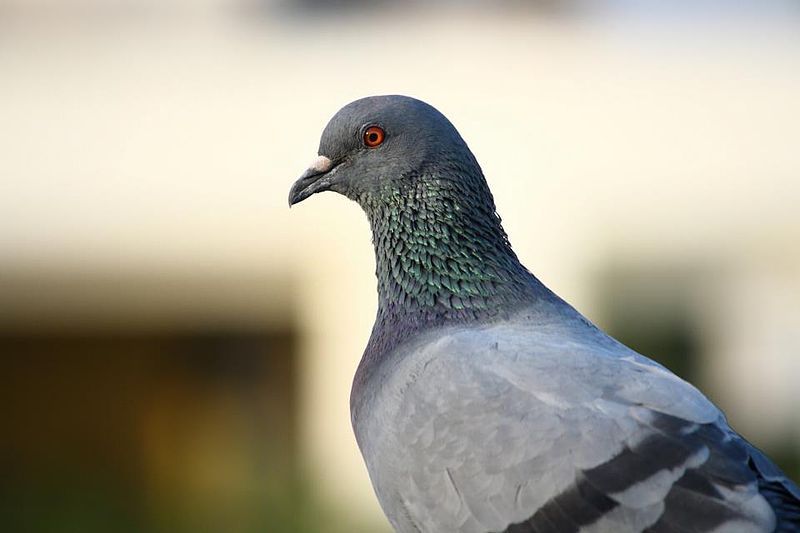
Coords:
373,136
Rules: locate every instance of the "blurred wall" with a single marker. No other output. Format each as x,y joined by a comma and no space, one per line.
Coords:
645,163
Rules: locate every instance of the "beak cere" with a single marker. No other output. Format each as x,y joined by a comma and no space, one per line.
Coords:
315,179
321,164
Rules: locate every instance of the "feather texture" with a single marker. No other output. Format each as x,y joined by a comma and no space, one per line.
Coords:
498,429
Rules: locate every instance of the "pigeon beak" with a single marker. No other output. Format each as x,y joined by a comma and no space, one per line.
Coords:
315,179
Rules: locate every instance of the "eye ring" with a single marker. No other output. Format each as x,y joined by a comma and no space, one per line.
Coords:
374,136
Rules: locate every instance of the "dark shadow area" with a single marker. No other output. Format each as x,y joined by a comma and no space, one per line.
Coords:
149,432
653,313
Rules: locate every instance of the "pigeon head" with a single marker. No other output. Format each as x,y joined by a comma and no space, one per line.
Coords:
376,146
441,253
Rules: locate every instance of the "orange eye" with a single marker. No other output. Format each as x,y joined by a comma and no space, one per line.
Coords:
373,136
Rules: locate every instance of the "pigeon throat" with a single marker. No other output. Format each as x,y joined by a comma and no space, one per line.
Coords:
442,256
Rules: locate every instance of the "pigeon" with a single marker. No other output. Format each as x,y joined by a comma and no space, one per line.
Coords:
485,403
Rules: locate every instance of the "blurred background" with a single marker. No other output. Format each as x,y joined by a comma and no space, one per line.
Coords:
177,346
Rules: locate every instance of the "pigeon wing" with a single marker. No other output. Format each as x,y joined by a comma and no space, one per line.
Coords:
491,430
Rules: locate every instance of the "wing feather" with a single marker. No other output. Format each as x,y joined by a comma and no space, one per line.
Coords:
507,433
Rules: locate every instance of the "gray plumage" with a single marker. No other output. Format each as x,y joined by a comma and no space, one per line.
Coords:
483,402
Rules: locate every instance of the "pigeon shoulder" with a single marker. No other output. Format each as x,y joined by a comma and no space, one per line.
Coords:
480,428
556,355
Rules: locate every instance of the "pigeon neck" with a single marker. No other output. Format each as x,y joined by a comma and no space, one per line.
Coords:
442,257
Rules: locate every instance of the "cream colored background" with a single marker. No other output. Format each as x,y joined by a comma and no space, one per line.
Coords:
148,148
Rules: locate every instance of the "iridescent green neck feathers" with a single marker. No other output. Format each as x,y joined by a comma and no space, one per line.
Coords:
442,255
